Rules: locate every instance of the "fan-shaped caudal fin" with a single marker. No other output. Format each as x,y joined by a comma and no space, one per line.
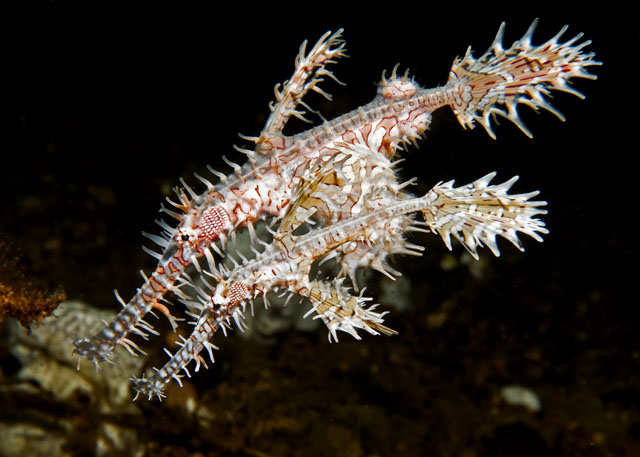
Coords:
309,72
340,310
521,74
477,213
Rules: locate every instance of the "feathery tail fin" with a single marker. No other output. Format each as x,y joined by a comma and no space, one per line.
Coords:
477,213
521,74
